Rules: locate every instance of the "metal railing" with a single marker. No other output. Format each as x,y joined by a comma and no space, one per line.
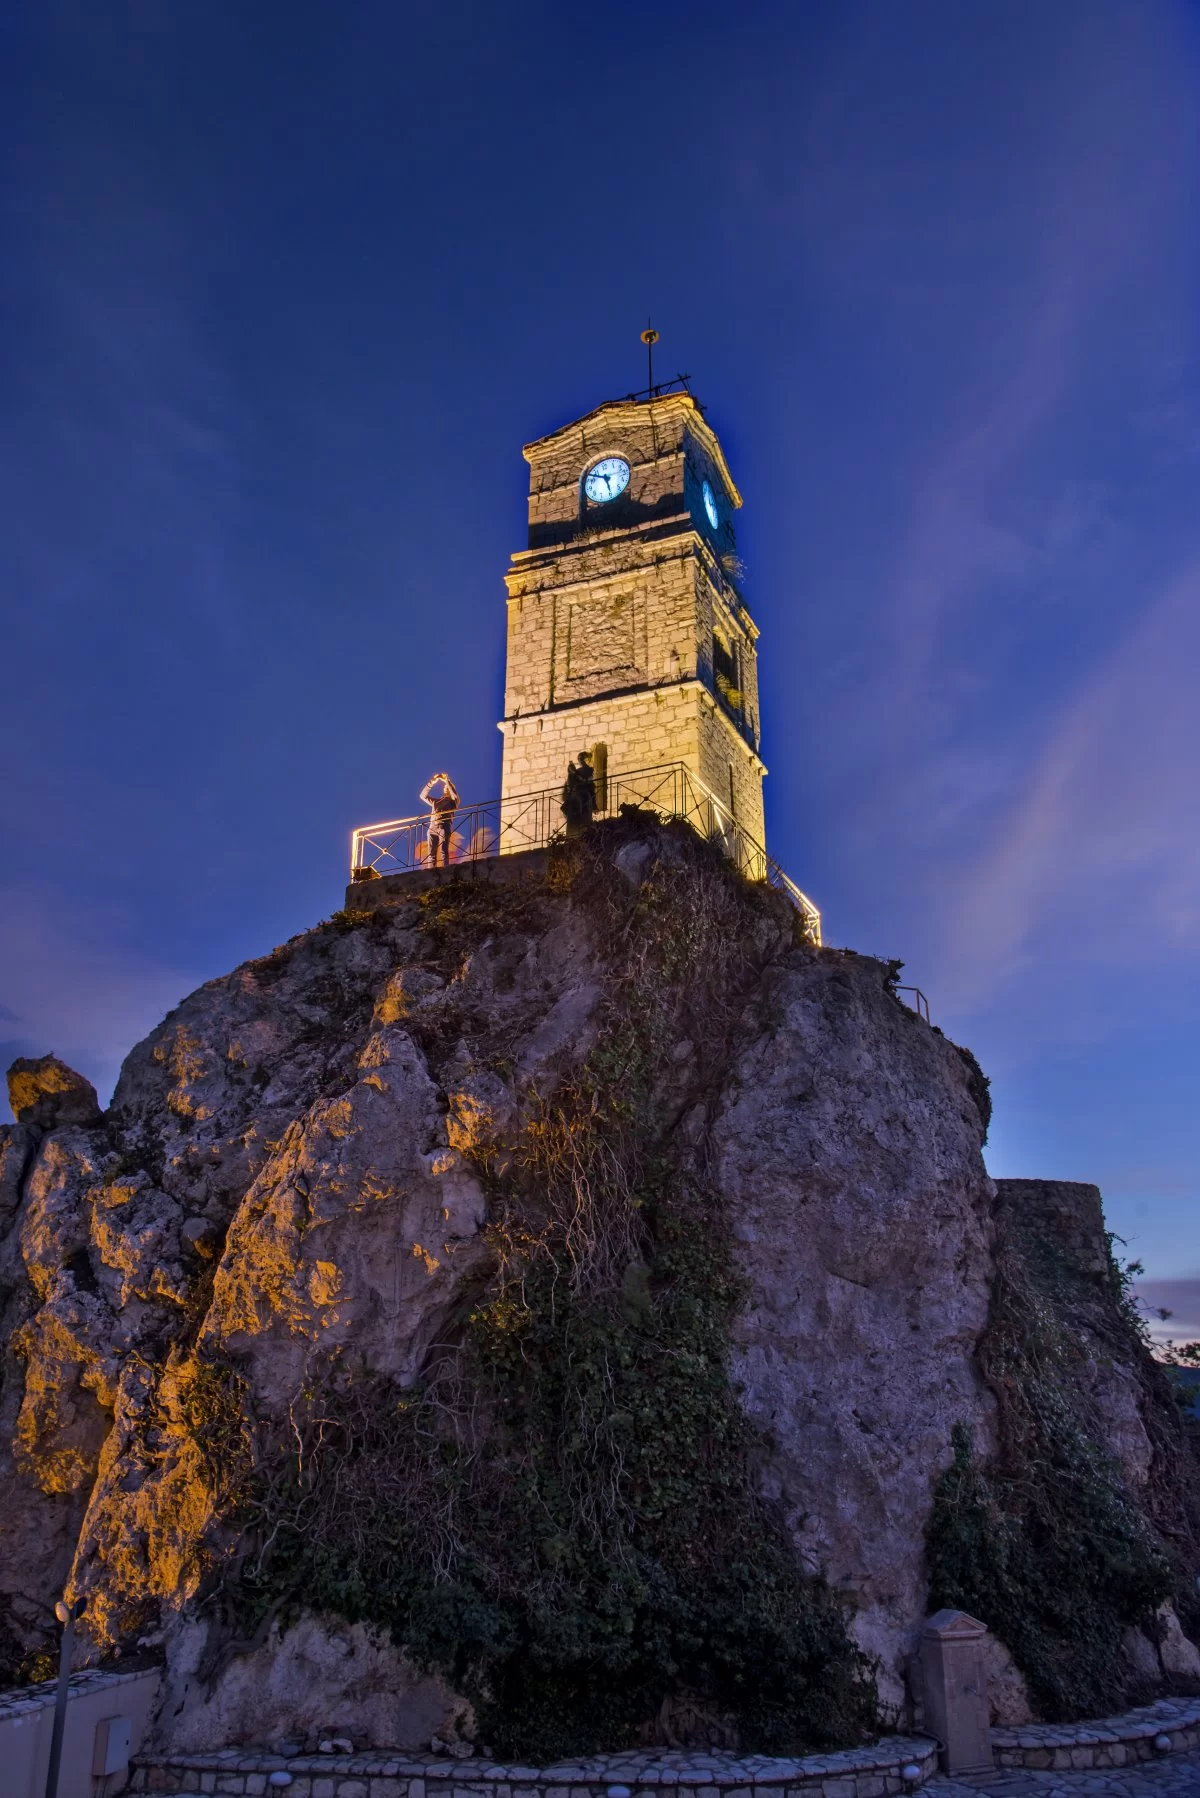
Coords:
532,820
918,1003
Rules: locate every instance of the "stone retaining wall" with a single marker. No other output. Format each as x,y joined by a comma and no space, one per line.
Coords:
858,1773
395,889
1169,1727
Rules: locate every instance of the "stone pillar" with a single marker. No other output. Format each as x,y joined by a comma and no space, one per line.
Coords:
954,1683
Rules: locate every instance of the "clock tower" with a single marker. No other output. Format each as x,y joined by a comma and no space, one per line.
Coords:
627,631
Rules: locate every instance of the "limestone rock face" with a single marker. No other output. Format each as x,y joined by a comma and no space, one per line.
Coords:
46,1091
292,1176
849,1150
278,1177
316,1679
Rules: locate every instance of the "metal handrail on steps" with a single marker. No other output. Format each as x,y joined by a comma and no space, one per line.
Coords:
533,820
920,1004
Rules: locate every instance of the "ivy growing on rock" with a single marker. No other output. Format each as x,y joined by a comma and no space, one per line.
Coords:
1044,1541
564,1517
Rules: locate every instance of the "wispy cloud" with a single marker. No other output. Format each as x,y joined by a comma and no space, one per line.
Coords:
1100,855
1021,737
76,987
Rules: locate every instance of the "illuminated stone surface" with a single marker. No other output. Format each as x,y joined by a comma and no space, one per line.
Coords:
45,1091
318,1110
626,624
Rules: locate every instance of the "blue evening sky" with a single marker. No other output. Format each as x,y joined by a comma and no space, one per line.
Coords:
287,287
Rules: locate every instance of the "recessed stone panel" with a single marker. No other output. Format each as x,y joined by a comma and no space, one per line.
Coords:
603,636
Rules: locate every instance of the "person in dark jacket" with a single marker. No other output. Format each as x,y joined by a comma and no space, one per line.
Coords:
579,794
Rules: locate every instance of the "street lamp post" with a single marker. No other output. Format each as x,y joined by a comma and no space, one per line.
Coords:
66,1614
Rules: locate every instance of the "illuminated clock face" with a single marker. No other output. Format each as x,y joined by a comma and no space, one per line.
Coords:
606,480
710,506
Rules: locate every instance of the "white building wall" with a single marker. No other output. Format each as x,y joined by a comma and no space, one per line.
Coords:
27,1720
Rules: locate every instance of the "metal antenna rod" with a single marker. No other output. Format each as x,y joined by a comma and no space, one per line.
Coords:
650,338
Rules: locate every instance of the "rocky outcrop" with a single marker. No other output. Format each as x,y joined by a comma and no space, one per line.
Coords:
849,1152
415,1152
299,1686
48,1093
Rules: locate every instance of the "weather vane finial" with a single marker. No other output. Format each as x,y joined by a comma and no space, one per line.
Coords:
650,338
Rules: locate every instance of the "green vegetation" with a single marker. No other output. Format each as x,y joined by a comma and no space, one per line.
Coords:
39,1665
1045,1543
978,1083
211,1396
565,1517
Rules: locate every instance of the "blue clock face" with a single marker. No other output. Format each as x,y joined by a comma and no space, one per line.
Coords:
710,506
606,480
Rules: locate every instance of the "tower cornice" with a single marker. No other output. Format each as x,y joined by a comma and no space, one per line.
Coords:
616,412
678,535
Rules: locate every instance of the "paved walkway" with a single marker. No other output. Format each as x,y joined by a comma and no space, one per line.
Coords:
1175,1776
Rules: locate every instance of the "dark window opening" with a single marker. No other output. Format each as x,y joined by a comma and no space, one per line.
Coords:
600,771
726,674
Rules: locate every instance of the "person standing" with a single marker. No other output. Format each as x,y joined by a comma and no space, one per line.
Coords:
442,808
579,794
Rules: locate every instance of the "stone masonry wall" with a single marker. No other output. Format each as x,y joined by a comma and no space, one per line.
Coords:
595,618
723,758
614,611
641,730
647,729
585,624
596,629
670,451
1071,1211
720,611
651,440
